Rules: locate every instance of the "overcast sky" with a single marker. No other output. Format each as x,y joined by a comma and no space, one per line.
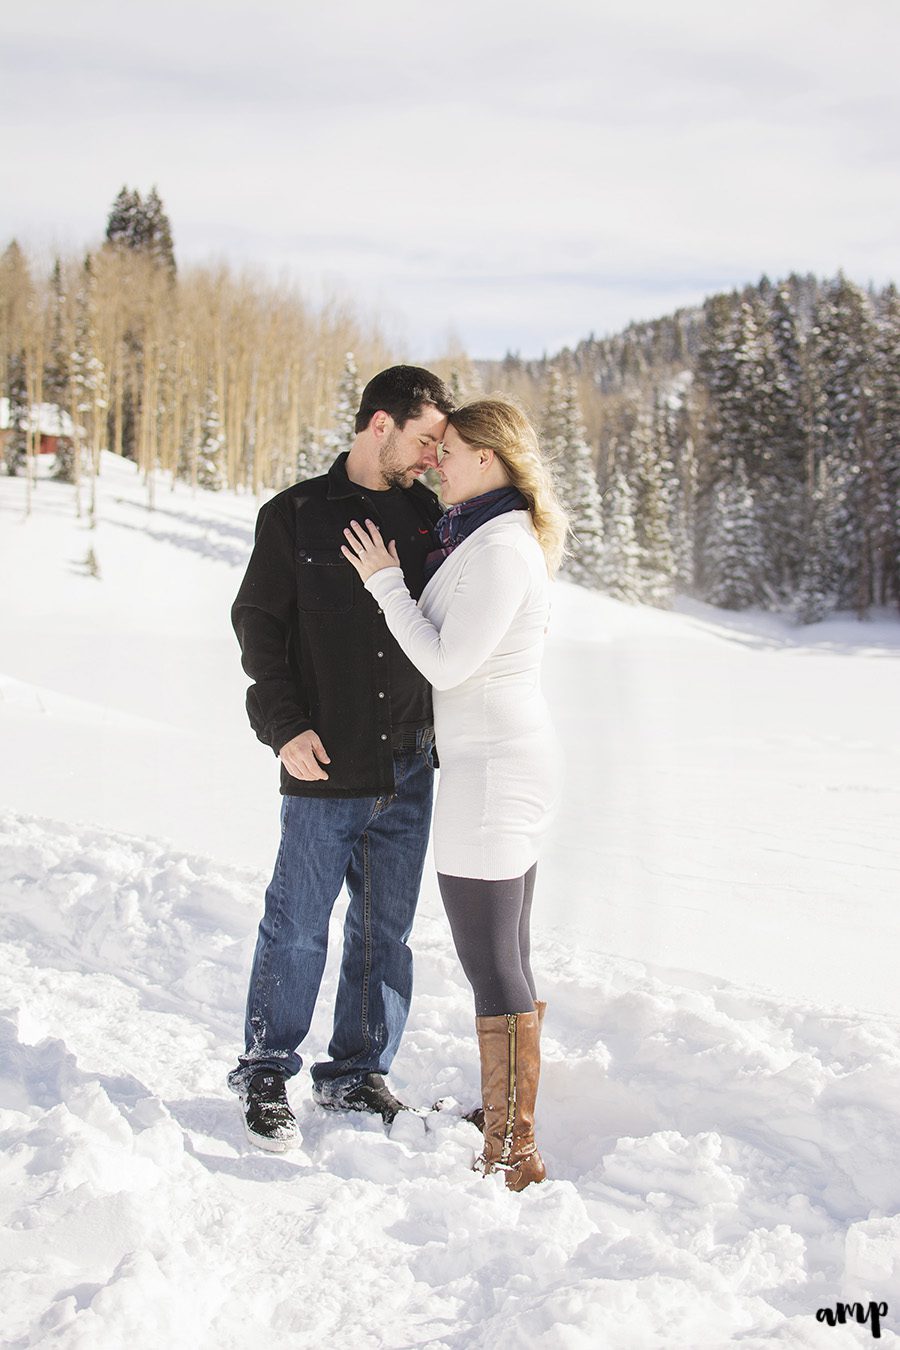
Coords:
518,174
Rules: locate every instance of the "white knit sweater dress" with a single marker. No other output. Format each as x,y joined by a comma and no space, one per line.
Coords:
477,633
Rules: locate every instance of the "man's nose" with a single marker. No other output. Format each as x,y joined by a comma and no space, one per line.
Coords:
430,459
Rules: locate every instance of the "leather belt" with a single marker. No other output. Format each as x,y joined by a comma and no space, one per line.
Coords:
409,740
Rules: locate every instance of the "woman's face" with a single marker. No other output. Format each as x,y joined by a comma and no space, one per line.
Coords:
459,469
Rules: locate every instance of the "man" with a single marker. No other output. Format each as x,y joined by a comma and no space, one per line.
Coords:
350,720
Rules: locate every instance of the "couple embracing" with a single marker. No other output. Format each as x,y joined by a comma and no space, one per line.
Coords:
378,629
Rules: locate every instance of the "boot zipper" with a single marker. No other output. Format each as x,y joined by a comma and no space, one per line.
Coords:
511,1024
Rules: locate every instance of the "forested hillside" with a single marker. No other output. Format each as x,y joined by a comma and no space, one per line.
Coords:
746,452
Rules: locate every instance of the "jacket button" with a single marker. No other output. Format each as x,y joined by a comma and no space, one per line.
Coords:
381,611
383,736
380,694
381,653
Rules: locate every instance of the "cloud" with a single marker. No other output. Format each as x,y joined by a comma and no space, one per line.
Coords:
490,167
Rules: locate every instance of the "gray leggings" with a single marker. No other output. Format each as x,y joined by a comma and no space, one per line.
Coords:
491,926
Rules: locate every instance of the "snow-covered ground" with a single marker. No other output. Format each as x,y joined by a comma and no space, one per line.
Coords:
715,934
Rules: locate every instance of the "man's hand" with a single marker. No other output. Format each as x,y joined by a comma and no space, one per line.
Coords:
304,756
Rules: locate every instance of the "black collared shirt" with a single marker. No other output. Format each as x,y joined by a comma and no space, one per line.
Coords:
313,641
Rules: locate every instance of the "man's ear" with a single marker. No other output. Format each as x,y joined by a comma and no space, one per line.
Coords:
381,424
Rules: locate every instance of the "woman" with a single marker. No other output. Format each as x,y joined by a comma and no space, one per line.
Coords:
477,634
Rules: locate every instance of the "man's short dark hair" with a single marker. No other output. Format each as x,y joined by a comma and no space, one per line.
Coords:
402,392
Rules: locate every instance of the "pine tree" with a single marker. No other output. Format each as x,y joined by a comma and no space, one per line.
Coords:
463,380
714,350
16,299
456,387
15,445
123,226
736,365
734,551
673,435
653,475
824,565
783,481
57,373
841,343
565,445
886,434
156,232
192,432
742,386
839,351
143,226
684,518
789,433
211,453
554,435
339,436
56,367
309,454
622,556
738,372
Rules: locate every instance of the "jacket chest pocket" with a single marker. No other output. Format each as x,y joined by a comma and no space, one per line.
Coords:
324,580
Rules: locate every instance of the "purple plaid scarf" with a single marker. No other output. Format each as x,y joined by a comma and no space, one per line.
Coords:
461,520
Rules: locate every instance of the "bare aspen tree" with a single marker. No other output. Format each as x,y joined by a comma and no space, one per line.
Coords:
36,322
151,352
16,288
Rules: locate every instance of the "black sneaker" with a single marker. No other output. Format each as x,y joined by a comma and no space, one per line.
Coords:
372,1095
269,1121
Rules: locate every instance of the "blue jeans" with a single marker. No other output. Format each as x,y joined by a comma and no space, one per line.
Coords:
376,844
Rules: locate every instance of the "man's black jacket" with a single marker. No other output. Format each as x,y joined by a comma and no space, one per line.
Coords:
313,640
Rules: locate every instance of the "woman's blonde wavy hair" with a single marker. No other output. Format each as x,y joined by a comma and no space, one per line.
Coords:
493,424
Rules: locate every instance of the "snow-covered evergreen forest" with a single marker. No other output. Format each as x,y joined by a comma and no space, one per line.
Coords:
746,452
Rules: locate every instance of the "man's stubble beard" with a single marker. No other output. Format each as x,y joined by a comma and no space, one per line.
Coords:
393,475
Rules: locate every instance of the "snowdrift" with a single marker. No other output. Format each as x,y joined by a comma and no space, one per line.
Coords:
721,1093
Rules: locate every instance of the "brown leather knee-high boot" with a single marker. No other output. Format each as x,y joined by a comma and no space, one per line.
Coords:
510,1050
476,1115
